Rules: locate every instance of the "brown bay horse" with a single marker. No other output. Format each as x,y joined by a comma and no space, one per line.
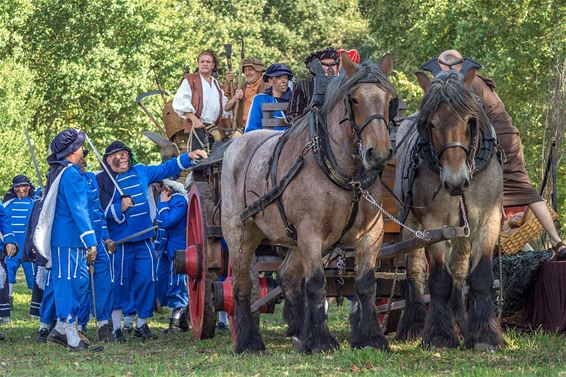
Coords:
352,127
458,181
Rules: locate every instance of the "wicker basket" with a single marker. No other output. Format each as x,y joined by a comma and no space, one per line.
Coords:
530,229
173,122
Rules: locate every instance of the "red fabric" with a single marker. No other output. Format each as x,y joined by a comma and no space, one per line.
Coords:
353,54
546,307
510,211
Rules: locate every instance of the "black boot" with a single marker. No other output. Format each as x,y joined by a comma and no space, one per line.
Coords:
57,338
82,346
143,332
41,335
184,320
105,333
119,336
174,327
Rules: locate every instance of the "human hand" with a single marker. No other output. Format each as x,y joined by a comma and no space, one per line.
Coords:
11,249
110,246
229,77
165,195
126,203
198,154
91,254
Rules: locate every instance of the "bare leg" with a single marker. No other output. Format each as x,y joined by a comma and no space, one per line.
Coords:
543,215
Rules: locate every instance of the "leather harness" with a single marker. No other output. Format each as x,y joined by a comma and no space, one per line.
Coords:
319,144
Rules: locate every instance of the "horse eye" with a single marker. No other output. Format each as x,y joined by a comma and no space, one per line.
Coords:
355,101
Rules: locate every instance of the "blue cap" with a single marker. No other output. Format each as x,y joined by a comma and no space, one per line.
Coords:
276,70
66,142
20,180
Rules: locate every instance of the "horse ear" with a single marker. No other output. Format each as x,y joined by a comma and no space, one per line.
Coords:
347,63
469,77
386,64
423,80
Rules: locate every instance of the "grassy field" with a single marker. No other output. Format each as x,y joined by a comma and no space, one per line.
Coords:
538,354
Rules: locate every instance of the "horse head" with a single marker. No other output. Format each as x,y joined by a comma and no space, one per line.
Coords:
368,108
450,120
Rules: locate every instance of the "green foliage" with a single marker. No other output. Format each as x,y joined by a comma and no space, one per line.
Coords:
81,63
519,44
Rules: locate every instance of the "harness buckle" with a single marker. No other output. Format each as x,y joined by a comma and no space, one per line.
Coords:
313,144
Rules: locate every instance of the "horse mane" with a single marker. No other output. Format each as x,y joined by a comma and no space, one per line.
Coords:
368,72
448,88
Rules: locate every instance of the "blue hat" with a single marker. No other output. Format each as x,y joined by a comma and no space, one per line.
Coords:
116,146
276,70
66,142
20,180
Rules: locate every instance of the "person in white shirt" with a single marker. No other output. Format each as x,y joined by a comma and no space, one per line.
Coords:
201,100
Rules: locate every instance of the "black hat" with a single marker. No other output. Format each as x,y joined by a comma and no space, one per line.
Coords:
116,146
327,53
20,180
66,142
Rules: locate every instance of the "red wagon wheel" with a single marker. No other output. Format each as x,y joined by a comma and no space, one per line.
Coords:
203,317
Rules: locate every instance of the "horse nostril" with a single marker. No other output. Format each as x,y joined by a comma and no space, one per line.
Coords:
466,183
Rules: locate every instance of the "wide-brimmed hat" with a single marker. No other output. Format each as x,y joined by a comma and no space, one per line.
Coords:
253,62
276,70
66,142
20,180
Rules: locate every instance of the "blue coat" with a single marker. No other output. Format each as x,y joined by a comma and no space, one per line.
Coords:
95,209
135,184
5,229
72,226
255,115
172,217
19,211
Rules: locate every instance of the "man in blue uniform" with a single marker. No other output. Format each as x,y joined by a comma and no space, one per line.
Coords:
7,247
134,263
64,237
102,268
18,204
172,219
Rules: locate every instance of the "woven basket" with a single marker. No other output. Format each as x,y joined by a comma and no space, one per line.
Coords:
172,121
530,229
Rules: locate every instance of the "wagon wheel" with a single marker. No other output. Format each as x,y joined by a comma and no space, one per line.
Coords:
203,317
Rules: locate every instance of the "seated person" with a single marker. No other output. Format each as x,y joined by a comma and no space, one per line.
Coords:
278,77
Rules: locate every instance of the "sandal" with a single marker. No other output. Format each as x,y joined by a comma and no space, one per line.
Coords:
560,253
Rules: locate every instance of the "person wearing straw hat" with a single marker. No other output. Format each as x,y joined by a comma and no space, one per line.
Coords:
253,68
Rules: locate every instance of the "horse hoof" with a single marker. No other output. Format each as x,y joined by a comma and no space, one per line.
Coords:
439,342
484,347
379,343
323,344
252,345
409,333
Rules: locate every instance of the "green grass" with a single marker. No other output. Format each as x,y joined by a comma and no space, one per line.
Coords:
538,354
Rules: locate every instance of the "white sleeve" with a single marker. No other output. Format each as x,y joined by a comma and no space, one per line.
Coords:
225,114
182,101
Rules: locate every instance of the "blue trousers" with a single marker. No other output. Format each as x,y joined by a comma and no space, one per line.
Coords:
175,293
162,278
47,312
133,267
70,281
13,264
102,289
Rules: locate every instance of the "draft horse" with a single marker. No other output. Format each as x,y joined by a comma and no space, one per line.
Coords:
302,189
447,164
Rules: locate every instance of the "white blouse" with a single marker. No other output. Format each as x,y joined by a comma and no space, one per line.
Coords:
210,106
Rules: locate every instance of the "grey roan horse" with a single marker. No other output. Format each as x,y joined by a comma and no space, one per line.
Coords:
316,203
458,180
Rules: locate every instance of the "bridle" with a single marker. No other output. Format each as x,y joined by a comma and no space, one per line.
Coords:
358,129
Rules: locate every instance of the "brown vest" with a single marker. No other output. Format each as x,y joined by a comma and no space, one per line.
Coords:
197,101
